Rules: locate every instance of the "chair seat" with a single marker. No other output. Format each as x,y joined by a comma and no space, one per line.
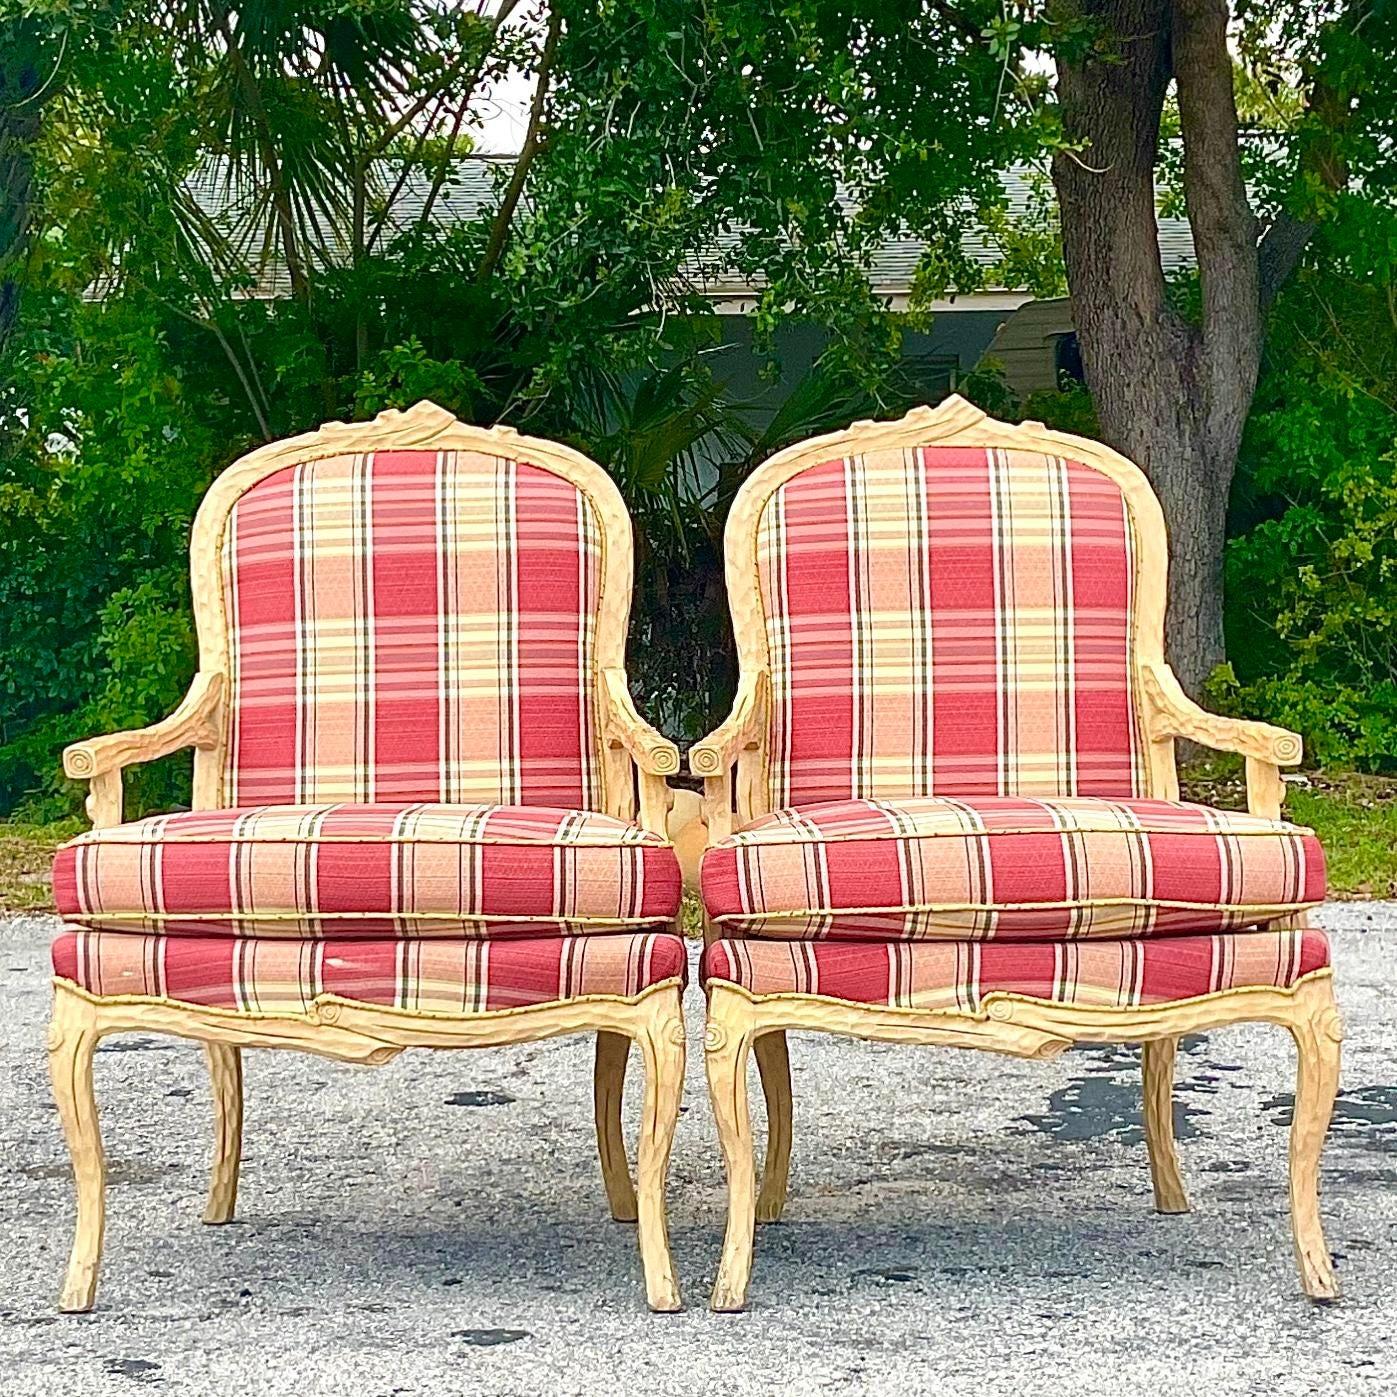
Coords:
959,974
437,976
1009,868
369,870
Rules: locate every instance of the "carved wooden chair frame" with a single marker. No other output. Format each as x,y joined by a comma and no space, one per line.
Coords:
635,760
732,763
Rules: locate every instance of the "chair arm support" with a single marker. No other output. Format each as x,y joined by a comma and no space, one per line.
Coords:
195,723
740,731
653,753
1171,713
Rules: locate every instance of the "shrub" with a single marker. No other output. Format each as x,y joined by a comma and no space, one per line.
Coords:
1312,566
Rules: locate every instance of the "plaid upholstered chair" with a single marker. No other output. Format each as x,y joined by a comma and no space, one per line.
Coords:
945,809
417,777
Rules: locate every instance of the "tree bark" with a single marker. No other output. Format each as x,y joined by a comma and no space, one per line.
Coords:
533,142
282,207
1171,395
27,79
18,132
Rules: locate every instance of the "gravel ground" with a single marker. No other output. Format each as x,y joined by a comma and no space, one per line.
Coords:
958,1223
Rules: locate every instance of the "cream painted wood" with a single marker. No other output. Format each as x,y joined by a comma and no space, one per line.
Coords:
774,1069
197,723
201,721
727,1044
226,1081
688,834
72,1040
1157,1073
635,760
1031,1028
732,761
351,1032
608,1086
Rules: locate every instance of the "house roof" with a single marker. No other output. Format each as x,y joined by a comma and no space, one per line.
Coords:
474,188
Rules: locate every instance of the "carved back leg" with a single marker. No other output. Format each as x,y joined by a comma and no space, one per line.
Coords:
1318,1033
662,1043
72,1040
608,1084
728,1044
1157,1067
226,1082
774,1067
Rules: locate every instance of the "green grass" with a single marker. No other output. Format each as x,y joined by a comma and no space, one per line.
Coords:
691,915
1359,835
26,852
1354,816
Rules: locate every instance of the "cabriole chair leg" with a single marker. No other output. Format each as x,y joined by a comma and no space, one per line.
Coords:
774,1066
1157,1069
728,1044
226,1081
1318,1033
608,1084
662,1043
72,1040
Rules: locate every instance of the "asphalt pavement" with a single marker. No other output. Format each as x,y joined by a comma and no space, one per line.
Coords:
958,1223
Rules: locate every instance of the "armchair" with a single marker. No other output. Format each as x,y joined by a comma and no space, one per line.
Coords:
425,810
945,808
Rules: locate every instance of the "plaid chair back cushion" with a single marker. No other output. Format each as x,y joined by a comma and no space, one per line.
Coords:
949,620
413,625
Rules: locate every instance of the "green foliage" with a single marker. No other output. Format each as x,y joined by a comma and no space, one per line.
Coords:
1312,570
1357,823
780,142
1069,409
666,124
101,465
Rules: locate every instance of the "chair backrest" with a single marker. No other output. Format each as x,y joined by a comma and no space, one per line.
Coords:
948,605
411,610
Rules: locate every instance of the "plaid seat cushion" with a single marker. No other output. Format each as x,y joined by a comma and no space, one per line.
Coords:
1013,869
446,977
949,620
959,974
413,625
369,870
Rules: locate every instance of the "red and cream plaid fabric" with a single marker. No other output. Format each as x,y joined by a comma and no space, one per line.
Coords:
446,977
369,870
1007,868
948,620
413,625
959,974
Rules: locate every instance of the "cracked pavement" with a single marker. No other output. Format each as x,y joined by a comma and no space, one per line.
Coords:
958,1223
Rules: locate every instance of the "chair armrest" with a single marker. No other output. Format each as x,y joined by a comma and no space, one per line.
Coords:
653,753
1171,713
195,723
740,731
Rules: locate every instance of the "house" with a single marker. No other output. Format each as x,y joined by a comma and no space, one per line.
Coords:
1032,340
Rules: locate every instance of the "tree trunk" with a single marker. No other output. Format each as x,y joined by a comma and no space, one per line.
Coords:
26,79
1171,395
18,132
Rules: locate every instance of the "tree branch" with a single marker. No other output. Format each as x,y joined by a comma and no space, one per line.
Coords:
1282,245
448,156
956,20
533,143
1111,102
507,8
390,133
1224,228
1322,159
25,90
281,194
